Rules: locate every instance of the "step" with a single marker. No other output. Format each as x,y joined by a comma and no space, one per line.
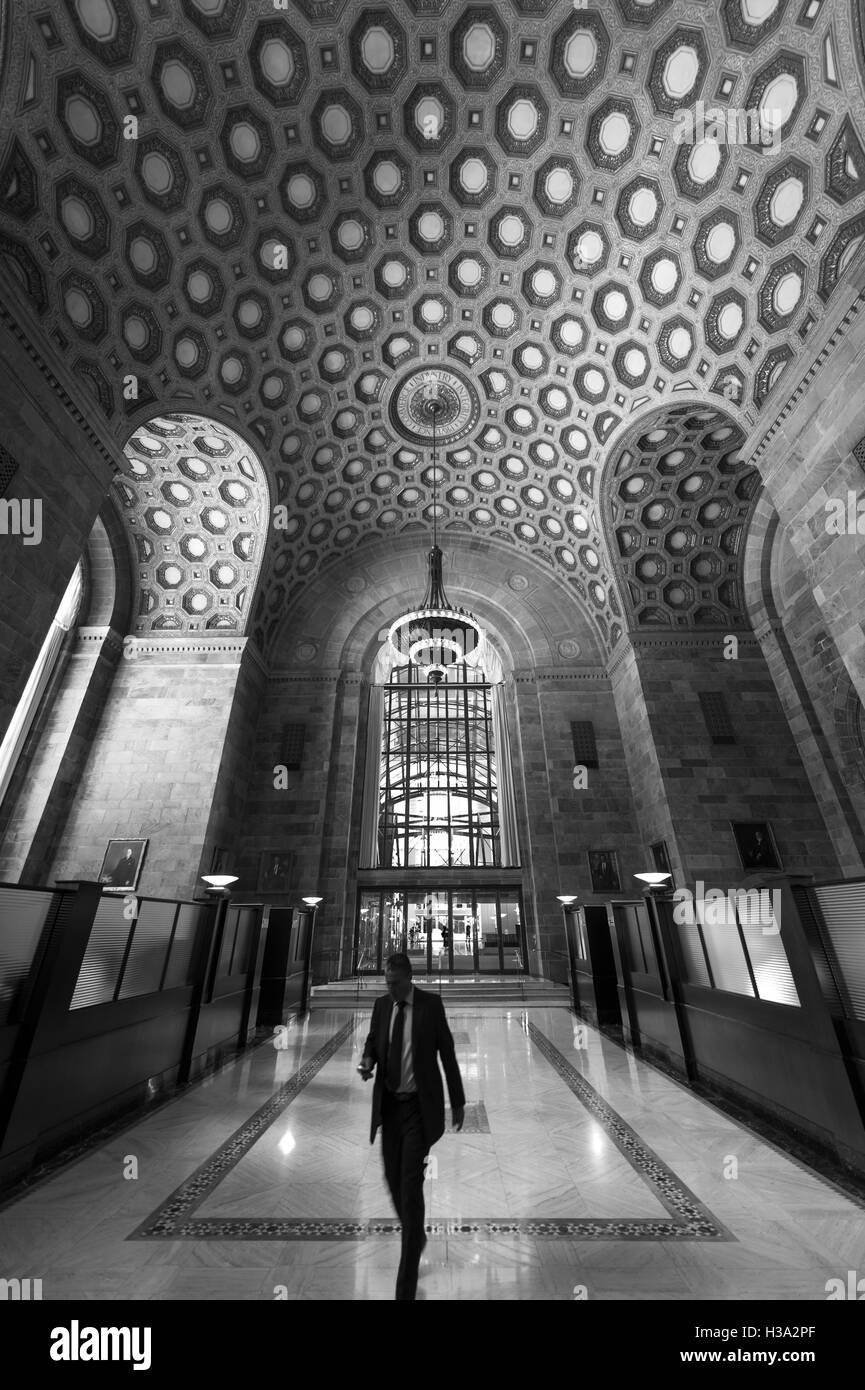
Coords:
348,994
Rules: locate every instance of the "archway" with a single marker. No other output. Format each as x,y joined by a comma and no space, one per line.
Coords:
196,504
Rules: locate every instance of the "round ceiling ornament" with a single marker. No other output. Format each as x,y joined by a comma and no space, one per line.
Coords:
434,393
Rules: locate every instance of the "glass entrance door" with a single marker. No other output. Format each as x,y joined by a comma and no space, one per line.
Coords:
367,939
489,934
464,935
428,930
452,931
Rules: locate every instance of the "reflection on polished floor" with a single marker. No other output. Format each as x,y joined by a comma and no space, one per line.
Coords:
580,1172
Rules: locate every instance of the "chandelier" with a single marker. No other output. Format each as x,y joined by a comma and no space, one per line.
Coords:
435,635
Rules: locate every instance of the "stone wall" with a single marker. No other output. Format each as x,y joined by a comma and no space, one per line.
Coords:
597,817
292,819
46,782
65,463
226,827
155,762
706,785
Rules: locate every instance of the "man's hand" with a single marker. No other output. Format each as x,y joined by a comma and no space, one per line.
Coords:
366,1068
459,1114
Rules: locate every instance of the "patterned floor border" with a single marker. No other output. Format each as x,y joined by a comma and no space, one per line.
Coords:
162,1223
689,1218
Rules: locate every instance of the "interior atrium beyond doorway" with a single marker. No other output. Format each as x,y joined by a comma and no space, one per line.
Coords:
461,930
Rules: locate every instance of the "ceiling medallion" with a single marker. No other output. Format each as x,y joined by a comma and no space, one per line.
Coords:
434,394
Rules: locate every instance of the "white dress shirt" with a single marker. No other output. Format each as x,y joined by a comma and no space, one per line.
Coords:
407,1081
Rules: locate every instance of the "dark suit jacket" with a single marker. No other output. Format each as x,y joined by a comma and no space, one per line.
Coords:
430,1035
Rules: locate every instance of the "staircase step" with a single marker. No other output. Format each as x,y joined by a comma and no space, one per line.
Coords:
490,992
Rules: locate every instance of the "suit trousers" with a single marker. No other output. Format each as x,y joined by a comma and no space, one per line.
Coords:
404,1149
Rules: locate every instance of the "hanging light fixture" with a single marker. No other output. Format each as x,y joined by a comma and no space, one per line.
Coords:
435,635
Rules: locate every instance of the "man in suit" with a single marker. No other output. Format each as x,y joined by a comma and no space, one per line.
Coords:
407,1035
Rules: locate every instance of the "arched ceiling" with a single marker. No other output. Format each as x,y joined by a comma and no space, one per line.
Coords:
196,507
343,616
677,507
330,206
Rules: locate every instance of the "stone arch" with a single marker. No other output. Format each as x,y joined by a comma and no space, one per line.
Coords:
676,499
757,562
108,577
195,500
813,684
532,617
849,719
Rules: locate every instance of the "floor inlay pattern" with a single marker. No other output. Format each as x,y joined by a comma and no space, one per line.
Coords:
475,1120
692,1220
163,1223
689,1220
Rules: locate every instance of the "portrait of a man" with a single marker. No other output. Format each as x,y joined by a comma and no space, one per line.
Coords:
604,870
121,865
756,845
274,871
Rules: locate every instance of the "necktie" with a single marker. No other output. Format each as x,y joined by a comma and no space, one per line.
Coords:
394,1052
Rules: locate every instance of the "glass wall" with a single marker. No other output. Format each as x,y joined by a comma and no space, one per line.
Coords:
438,804
443,930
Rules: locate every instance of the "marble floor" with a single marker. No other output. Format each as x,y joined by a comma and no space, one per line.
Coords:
580,1172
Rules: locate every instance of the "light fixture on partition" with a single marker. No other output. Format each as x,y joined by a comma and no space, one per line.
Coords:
435,635
219,883
570,902
312,903
654,882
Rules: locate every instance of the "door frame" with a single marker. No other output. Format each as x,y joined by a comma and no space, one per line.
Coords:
466,893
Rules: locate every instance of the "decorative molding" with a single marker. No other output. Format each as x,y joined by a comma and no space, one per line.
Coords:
658,641
17,321
331,677
581,676
822,357
177,648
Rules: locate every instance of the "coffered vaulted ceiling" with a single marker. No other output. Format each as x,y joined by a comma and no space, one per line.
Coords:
331,211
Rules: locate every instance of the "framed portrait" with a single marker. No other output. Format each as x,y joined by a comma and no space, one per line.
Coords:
756,844
604,871
218,860
661,861
121,865
274,871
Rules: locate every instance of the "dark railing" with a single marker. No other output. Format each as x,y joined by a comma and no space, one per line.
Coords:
561,971
107,1000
